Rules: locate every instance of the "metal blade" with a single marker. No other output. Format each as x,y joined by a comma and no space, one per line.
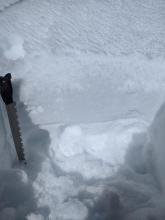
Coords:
15,130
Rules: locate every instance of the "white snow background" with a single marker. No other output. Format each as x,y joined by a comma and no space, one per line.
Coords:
89,82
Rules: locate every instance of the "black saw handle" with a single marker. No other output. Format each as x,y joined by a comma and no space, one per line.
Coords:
6,89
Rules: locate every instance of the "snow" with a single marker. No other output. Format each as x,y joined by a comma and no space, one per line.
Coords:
89,82
4,4
82,149
14,48
34,217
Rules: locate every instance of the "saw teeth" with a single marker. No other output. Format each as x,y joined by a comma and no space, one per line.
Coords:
15,130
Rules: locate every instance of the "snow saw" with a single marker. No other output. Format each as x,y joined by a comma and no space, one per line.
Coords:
6,92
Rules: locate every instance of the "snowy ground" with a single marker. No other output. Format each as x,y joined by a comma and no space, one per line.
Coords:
88,80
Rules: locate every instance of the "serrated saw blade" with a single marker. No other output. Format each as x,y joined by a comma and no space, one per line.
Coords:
15,130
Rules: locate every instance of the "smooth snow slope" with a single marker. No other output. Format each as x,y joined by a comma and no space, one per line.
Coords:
88,75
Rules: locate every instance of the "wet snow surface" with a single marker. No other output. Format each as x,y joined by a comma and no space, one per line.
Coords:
89,84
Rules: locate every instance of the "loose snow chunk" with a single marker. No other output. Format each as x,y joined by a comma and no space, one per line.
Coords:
71,141
95,150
